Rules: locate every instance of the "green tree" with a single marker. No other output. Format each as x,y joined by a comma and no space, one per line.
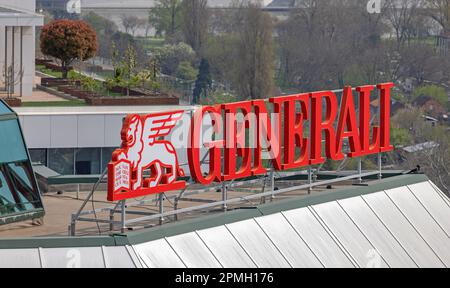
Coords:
433,91
68,40
170,56
185,71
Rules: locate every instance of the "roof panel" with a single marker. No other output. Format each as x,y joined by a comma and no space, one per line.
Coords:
80,257
442,194
192,251
317,239
342,227
288,241
117,257
432,201
19,258
257,244
422,222
158,254
402,230
225,248
376,233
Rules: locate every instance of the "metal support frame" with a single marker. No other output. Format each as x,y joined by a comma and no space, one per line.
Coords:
224,202
161,208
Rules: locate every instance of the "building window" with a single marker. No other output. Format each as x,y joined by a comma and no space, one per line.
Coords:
106,157
61,160
39,156
87,161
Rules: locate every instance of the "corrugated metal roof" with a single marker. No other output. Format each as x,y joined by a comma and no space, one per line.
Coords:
407,225
75,257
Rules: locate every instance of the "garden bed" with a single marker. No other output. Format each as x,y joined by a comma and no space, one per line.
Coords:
161,99
95,92
117,97
13,102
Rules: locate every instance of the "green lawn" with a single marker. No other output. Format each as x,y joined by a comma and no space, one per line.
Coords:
151,43
69,103
41,68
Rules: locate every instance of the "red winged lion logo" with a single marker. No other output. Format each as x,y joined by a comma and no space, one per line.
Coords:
143,149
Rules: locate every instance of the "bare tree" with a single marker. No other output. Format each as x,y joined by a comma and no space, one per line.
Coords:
433,159
255,60
401,15
421,62
195,22
439,11
130,23
12,76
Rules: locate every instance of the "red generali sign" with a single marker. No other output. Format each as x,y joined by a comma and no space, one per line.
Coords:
278,128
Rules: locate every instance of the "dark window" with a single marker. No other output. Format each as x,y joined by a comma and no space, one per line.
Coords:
87,161
39,156
106,157
61,160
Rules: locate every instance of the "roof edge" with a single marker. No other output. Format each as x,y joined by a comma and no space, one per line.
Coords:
192,225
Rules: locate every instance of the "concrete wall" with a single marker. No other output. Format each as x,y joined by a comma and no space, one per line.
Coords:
27,5
23,42
20,54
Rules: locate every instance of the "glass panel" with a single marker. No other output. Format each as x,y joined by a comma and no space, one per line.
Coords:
7,199
38,156
22,177
4,109
87,161
17,193
408,237
106,157
12,147
61,160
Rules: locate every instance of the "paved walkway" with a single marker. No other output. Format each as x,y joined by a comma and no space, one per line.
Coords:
39,95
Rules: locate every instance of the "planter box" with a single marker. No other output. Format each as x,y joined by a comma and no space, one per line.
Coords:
42,61
76,92
56,82
162,99
13,102
123,91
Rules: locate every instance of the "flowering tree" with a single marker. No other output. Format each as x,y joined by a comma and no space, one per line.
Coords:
68,40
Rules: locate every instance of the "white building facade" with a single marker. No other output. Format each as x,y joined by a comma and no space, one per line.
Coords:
80,140
18,21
